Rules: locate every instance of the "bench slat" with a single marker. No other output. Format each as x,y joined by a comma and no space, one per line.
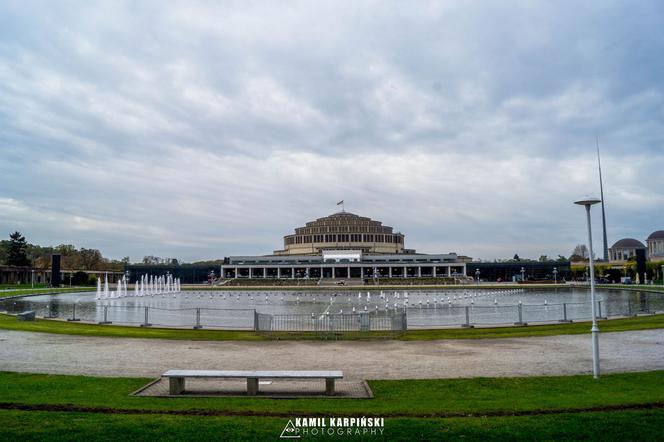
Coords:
337,374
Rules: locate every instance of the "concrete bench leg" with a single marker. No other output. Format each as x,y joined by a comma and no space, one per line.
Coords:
176,385
329,386
252,386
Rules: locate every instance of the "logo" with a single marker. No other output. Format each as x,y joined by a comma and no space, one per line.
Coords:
289,431
300,427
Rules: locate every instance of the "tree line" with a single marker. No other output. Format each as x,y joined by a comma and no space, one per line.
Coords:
18,252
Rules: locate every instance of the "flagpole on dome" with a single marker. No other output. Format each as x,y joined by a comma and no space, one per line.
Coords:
341,203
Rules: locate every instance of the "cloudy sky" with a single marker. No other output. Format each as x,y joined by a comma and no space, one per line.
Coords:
202,130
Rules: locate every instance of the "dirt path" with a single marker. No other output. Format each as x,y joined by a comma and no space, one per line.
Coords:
552,355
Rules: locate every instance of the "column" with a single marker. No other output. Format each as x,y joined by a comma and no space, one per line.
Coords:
434,271
348,274
278,272
362,272
236,272
251,270
292,273
449,271
334,274
419,271
264,272
390,271
308,272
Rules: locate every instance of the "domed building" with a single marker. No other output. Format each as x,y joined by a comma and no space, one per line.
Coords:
655,244
625,249
343,231
344,246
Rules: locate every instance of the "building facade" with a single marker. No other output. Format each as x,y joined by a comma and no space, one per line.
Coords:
625,249
655,243
351,265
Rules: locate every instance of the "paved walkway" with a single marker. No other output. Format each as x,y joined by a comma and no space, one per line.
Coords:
553,355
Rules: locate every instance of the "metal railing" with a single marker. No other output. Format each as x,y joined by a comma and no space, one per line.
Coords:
389,321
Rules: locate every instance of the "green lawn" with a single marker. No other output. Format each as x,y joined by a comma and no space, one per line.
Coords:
641,425
8,322
573,407
404,398
20,286
44,290
641,288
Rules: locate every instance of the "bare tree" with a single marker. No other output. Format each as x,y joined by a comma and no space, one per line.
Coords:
580,250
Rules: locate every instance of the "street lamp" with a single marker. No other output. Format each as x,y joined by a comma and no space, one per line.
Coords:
477,276
33,278
523,274
587,202
555,275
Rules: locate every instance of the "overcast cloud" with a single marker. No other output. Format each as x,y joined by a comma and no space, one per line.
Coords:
202,130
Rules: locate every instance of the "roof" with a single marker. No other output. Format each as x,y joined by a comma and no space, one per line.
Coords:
629,243
658,234
344,219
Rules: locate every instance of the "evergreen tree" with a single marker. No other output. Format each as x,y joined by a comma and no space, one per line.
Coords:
17,255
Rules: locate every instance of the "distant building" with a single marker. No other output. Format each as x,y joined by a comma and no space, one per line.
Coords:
655,244
25,275
624,249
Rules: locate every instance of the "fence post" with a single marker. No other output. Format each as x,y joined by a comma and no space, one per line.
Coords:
647,303
599,310
520,310
146,323
467,324
198,319
105,321
255,320
565,314
73,315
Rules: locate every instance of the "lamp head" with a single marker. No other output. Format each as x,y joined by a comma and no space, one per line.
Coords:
588,201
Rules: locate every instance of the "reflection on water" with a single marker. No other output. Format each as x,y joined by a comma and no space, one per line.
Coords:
425,308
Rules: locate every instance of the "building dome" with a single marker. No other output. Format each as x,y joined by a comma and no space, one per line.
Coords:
659,234
343,231
628,243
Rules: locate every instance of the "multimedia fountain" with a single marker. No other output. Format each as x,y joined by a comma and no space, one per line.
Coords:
159,301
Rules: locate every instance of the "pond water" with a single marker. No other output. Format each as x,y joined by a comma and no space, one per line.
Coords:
234,309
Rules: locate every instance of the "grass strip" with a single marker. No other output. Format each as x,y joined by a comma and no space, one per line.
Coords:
50,426
417,398
44,291
9,322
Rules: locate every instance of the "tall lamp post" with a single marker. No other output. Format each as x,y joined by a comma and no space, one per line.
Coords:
477,276
523,274
555,275
587,202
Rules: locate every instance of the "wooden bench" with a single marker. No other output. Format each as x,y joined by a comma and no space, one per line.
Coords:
177,377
